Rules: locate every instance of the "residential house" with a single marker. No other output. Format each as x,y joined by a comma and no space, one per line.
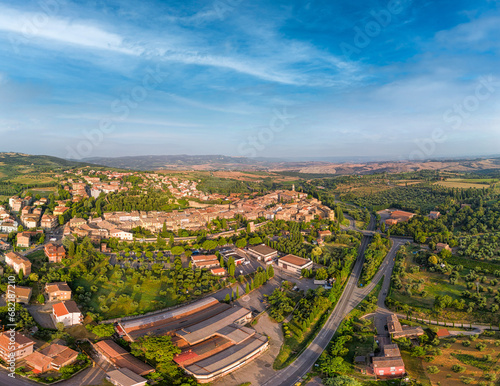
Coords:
218,271
58,291
22,294
122,235
55,253
18,262
389,364
52,357
67,313
23,240
399,331
294,263
323,234
433,215
49,222
4,245
441,246
398,216
15,345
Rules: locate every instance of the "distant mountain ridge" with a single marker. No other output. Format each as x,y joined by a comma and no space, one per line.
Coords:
222,162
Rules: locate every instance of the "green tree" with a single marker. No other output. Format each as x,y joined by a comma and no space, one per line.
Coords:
342,380
241,243
158,349
103,330
41,299
433,259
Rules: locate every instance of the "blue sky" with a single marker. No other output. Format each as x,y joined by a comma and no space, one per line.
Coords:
395,79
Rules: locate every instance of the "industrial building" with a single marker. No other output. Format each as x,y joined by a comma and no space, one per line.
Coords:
212,336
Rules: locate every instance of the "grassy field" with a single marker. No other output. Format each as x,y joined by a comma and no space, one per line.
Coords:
452,183
32,179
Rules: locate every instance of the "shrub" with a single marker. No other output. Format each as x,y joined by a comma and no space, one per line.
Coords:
433,370
467,380
481,346
466,343
458,369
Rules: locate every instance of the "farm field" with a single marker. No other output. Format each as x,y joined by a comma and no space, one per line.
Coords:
420,287
452,183
32,179
480,365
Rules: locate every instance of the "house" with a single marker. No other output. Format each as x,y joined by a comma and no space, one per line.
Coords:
399,331
58,291
398,216
122,235
15,345
23,240
52,357
206,264
55,253
4,245
441,246
18,262
262,252
49,222
119,357
433,215
218,271
67,313
323,234
22,294
125,377
294,263
388,367
60,210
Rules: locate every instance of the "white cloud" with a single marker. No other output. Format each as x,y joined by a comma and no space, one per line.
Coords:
28,25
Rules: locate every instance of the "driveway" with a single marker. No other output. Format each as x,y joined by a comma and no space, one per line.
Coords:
42,314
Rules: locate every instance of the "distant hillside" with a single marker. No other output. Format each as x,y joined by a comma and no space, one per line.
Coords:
221,162
181,162
17,169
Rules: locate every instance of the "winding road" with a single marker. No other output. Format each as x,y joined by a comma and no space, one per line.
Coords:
350,298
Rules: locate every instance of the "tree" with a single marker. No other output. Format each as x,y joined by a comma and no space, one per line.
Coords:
41,299
176,251
433,370
60,326
103,330
332,365
21,274
33,277
241,243
433,260
208,245
247,288
321,274
270,271
159,349
342,380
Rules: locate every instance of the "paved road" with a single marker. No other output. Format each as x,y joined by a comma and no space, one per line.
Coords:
349,299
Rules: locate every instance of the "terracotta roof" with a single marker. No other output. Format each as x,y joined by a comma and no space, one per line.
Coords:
387,362
66,307
294,260
24,292
37,359
59,286
218,270
19,340
198,258
442,333
121,357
